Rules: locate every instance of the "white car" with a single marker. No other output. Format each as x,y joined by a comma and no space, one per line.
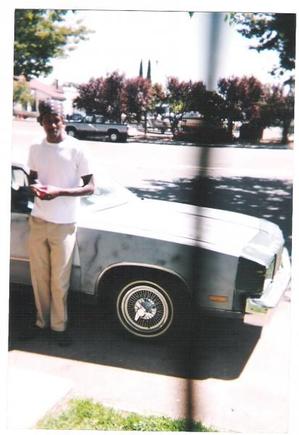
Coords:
155,261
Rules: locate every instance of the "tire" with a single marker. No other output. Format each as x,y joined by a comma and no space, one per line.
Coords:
175,133
147,309
113,136
71,133
123,138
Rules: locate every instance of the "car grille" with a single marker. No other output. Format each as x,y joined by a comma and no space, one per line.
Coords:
253,279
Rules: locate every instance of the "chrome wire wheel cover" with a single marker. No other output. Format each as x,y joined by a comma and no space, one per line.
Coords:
113,137
145,309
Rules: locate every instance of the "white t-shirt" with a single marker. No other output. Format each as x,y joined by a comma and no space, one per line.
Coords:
62,164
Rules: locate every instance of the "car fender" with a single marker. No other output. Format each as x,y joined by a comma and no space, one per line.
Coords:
119,270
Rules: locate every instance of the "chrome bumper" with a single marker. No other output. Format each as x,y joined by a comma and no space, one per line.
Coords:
274,291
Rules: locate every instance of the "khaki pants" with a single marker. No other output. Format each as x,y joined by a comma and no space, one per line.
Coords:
51,248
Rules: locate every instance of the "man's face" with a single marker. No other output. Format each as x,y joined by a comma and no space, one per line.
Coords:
54,127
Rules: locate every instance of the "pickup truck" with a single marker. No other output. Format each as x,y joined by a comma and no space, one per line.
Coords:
94,126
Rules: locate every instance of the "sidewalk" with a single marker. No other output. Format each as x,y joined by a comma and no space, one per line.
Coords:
34,389
31,394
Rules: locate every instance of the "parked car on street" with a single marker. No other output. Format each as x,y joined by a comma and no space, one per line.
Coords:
74,117
194,127
156,262
95,126
159,123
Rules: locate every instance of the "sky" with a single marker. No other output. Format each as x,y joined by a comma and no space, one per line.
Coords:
175,43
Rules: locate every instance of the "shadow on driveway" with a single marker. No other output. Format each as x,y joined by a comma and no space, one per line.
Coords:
216,348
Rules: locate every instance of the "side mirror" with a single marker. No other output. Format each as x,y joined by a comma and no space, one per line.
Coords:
22,197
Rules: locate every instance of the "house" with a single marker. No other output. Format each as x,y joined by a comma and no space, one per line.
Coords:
39,91
42,91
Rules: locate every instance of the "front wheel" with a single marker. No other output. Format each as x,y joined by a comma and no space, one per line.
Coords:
113,136
71,133
147,309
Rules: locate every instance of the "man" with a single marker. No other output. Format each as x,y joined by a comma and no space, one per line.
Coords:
59,174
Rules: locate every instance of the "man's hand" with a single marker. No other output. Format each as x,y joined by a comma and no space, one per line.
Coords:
45,192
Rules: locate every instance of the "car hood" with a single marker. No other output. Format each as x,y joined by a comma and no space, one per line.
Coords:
218,230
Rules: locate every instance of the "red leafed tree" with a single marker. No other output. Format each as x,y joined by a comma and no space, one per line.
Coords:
242,96
178,94
103,96
114,95
137,97
90,96
158,95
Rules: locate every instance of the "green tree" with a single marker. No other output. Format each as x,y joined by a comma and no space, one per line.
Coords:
21,92
270,31
149,71
41,35
141,69
212,107
277,109
196,96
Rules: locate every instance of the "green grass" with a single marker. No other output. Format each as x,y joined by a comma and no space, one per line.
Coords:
85,414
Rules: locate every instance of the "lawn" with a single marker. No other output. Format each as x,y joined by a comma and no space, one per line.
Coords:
86,414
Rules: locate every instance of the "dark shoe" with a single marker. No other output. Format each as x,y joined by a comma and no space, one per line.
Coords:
30,333
62,338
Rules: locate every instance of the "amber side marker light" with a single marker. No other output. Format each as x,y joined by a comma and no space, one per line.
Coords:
218,299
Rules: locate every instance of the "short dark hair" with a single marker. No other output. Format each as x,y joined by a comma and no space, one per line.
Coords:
49,107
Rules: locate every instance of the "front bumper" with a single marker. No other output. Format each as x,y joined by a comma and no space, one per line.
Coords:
274,290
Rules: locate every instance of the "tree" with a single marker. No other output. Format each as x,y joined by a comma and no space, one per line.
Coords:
149,71
40,36
138,97
113,95
21,92
178,94
277,109
213,107
141,69
271,31
104,96
158,96
242,97
197,95
90,96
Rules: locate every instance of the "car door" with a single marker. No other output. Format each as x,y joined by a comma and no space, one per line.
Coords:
21,206
99,125
87,128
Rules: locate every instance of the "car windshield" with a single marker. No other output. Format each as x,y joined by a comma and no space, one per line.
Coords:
108,193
